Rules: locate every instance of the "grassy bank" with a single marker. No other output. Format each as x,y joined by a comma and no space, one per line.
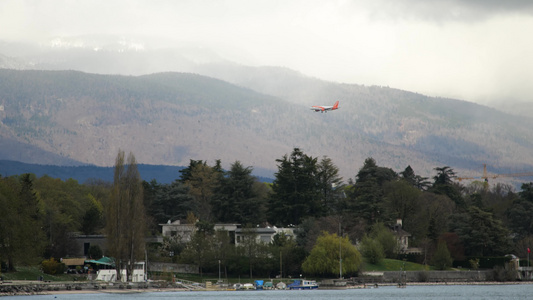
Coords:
393,265
35,273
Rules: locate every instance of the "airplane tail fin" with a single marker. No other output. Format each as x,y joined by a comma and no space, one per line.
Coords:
336,105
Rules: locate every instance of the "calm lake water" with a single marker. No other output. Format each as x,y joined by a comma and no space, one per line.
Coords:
474,292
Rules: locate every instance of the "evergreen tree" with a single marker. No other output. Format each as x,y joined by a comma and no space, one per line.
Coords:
330,186
238,200
203,183
366,194
172,202
186,173
480,232
444,176
295,190
414,180
519,213
443,185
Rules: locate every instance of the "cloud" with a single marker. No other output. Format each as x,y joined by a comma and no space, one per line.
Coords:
477,50
447,10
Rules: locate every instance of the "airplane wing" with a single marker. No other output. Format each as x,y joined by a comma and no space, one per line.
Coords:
318,108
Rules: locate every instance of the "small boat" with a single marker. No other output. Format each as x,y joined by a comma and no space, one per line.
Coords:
303,285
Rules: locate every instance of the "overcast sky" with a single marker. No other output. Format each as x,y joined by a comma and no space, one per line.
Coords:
476,50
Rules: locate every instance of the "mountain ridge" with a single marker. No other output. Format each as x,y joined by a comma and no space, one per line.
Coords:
170,118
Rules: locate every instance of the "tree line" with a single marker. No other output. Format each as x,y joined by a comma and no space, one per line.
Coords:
447,220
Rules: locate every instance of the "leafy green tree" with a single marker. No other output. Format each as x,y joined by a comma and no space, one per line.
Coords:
93,217
325,258
289,255
11,240
402,200
62,211
386,238
222,248
454,244
295,194
372,250
250,247
522,245
22,239
432,219
95,252
31,237
198,249
125,226
311,228
442,259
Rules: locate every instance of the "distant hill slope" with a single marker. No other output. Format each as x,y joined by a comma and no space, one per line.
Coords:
162,174
170,118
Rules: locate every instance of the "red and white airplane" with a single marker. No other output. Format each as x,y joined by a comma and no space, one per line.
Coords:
319,108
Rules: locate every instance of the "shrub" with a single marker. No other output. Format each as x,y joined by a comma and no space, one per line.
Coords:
442,258
52,267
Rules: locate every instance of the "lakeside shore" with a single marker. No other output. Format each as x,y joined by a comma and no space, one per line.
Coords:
51,288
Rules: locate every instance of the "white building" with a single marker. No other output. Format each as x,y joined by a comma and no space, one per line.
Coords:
183,232
110,275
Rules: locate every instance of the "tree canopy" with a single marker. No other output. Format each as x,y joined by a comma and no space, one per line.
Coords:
329,252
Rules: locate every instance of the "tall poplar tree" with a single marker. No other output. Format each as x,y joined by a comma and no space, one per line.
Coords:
125,225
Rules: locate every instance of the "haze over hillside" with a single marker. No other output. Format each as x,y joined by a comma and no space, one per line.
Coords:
170,118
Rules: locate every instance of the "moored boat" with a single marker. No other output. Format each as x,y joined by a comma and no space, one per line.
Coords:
303,285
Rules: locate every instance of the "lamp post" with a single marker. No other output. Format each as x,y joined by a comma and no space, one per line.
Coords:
528,270
340,252
219,270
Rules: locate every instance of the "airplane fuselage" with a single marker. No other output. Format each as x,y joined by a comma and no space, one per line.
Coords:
319,108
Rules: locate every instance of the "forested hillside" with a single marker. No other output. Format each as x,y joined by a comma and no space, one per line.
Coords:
170,118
